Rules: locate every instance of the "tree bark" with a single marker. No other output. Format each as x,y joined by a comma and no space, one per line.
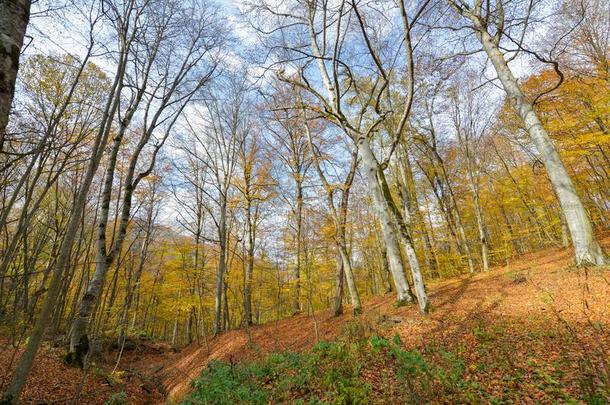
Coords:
27,358
586,247
222,263
251,235
338,304
296,276
388,231
405,225
14,19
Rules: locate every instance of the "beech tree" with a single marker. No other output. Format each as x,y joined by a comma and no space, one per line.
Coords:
127,21
289,140
162,179
255,185
218,139
324,31
176,69
339,217
471,125
493,26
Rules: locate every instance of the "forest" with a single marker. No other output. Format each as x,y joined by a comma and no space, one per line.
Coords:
304,201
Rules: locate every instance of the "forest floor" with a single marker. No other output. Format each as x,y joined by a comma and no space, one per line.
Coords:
534,310
532,330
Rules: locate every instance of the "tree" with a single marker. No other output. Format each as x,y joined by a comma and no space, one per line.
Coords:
339,217
101,138
180,70
14,19
336,79
470,125
289,140
216,143
254,183
488,21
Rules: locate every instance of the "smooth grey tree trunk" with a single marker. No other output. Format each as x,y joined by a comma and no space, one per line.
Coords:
296,276
79,341
388,231
338,303
405,226
476,201
456,209
251,238
586,247
340,220
480,223
349,278
222,264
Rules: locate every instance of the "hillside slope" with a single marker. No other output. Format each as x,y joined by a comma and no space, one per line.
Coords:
534,330
534,309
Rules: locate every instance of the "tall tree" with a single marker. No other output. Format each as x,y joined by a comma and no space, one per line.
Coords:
14,19
471,124
339,217
179,71
492,28
215,144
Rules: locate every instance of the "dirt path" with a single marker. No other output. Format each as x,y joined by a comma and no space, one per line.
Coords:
529,292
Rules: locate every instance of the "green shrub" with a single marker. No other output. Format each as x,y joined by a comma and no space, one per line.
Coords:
331,371
222,383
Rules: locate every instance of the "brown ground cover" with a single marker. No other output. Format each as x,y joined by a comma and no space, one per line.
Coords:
532,330
535,310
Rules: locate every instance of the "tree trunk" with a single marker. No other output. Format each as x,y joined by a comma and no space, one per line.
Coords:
340,221
404,231
387,227
27,358
296,276
565,238
222,263
349,277
249,266
78,334
14,19
338,304
478,213
481,227
587,249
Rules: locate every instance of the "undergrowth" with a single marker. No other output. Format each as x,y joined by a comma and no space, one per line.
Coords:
331,373
364,367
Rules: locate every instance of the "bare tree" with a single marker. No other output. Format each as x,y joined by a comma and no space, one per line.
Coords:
181,71
500,27
216,142
124,20
254,184
289,140
339,216
471,123
126,34
313,35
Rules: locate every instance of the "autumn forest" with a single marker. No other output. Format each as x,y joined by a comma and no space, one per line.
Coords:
304,201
